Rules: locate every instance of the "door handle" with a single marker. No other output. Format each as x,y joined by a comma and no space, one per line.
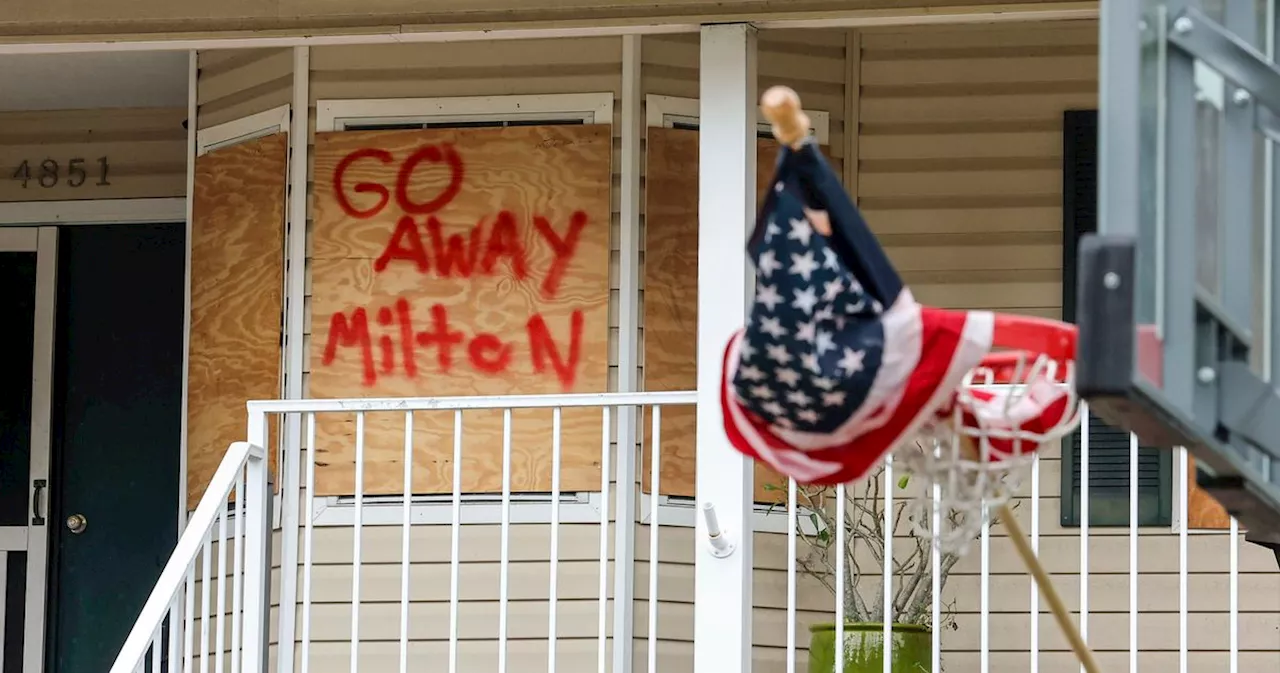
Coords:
38,486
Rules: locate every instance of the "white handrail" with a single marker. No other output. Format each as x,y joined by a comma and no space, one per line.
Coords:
238,455
474,402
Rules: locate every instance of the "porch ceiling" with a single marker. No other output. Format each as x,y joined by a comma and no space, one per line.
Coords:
72,20
89,81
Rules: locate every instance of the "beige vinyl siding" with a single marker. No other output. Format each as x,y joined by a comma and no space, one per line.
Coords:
809,61
813,63
960,157
236,83
145,149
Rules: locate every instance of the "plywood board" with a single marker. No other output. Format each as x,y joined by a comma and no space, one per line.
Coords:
237,280
671,301
452,262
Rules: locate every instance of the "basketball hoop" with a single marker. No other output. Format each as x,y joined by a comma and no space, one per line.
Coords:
979,448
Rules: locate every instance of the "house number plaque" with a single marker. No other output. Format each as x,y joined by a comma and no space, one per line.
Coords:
50,173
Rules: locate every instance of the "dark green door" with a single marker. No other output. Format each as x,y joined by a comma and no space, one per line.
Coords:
117,424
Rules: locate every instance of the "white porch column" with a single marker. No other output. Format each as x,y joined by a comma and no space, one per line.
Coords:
726,210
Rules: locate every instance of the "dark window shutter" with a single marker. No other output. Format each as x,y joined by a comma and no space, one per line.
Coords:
1108,446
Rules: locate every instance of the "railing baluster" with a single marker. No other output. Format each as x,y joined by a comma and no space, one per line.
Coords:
984,593
935,555
355,550
1034,608
237,580
221,623
793,520
155,649
404,551
1084,530
454,541
888,564
175,635
257,548
505,553
838,659
1133,553
655,479
553,583
189,620
1233,654
205,570
1182,562
603,632
308,514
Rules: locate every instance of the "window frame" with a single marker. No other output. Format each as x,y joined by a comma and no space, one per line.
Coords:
437,509
244,129
681,511
666,111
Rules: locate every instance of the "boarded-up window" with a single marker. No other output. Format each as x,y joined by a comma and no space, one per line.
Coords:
452,262
237,281
671,300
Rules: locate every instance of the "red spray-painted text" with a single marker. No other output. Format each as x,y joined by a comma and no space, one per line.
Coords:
493,239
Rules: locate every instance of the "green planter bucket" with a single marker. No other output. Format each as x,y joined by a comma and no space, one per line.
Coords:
864,648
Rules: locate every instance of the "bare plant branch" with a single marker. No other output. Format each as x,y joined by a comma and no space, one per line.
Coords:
864,531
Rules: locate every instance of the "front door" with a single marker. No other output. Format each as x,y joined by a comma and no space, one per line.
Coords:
117,423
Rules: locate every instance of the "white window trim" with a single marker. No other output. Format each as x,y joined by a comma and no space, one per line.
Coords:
227,134
89,212
592,108
437,510
244,129
337,115
665,111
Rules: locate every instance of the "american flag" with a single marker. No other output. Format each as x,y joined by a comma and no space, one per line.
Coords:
837,364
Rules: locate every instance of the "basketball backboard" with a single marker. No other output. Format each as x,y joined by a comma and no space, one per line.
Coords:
1179,301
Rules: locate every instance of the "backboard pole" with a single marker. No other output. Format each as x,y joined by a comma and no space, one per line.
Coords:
1179,228
1236,183
1120,121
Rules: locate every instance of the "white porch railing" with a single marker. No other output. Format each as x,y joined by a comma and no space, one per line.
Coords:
528,582
560,512
166,631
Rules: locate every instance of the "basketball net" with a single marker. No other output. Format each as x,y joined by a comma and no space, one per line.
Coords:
979,467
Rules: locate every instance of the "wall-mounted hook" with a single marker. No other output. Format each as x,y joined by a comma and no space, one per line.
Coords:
720,544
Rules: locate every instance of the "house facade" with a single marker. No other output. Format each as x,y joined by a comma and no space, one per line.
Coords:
412,201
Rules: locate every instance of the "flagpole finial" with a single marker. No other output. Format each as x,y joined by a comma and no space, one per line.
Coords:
781,106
